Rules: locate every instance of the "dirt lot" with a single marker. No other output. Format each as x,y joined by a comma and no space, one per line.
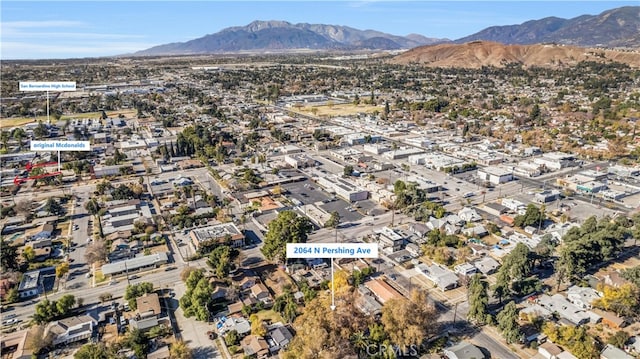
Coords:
339,110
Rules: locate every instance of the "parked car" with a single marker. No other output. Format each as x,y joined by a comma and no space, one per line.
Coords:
10,321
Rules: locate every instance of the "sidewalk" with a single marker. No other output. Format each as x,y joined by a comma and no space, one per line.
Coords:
515,348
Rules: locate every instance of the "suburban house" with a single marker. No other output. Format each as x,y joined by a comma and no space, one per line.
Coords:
441,276
149,303
611,320
255,347
247,282
463,350
235,308
382,290
572,313
43,231
261,293
548,350
486,265
611,352
71,330
239,324
278,337
465,269
583,297
147,313
477,231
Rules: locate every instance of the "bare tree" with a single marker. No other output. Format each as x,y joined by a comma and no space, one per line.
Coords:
37,339
96,252
23,208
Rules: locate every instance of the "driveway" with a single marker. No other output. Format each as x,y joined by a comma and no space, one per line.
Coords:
194,333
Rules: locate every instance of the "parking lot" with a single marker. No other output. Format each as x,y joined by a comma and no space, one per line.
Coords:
308,192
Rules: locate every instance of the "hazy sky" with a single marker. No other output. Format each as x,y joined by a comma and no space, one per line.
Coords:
56,29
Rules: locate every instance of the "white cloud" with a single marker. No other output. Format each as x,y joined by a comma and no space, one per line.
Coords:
73,36
41,24
63,39
23,50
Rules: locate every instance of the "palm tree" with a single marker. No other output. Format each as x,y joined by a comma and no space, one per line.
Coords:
93,207
334,222
4,137
359,341
19,134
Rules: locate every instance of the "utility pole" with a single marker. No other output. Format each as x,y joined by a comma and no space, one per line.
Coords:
455,311
127,272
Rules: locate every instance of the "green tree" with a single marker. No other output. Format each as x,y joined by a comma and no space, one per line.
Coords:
93,351
220,261
134,291
347,170
138,341
288,227
28,254
93,208
197,299
52,207
231,338
62,269
518,262
532,217
478,300
632,275
12,295
8,255
508,323
619,339
333,221
534,113
46,310
40,131
65,304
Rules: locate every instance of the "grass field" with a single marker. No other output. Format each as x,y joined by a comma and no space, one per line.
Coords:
338,110
15,122
271,315
20,121
99,276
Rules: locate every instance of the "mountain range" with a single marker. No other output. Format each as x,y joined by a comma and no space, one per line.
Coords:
618,27
282,36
